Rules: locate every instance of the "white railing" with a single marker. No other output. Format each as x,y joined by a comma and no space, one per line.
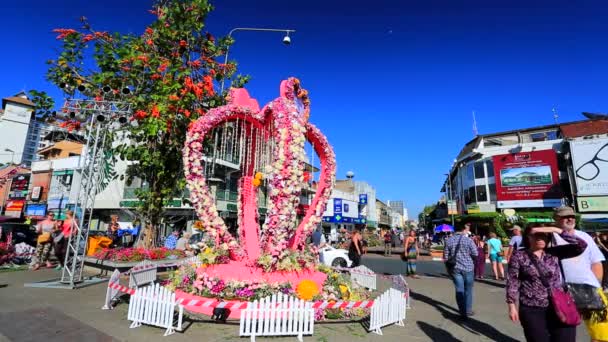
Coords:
111,292
155,305
389,308
363,276
143,273
278,315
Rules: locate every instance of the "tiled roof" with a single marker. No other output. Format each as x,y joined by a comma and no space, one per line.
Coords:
585,128
17,99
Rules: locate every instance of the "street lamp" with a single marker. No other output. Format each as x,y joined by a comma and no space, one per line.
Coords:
12,154
450,196
286,40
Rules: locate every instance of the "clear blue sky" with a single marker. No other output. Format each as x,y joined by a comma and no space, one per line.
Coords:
392,83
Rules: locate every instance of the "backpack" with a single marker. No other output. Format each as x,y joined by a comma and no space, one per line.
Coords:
388,237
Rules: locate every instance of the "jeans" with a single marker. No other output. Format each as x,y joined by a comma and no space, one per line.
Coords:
463,282
387,248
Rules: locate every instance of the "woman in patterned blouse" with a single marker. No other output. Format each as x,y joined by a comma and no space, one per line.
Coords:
535,313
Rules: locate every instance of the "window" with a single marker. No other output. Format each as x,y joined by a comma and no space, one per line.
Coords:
479,172
492,192
470,195
490,167
482,196
470,172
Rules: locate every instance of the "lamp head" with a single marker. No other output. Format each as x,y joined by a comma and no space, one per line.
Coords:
286,39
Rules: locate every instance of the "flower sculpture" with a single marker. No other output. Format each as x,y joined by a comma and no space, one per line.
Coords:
284,124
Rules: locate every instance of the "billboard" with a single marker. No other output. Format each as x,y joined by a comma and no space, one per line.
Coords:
35,209
14,208
590,162
527,179
592,204
19,186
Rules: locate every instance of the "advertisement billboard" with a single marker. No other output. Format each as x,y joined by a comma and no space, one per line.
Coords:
19,186
35,209
14,208
527,179
590,163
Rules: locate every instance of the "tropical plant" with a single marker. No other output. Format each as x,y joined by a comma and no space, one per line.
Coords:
170,72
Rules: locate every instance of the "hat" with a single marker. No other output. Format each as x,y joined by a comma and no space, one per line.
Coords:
563,211
515,227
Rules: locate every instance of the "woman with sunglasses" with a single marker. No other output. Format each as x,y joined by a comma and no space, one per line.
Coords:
525,285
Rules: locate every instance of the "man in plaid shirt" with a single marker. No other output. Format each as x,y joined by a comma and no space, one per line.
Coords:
464,250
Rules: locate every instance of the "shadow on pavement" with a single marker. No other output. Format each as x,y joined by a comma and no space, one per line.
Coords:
436,334
491,283
471,324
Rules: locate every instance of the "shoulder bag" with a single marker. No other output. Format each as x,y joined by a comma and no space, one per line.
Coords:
563,304
450,264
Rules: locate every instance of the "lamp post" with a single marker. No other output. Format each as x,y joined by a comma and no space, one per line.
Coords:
450,196
286,40
12,154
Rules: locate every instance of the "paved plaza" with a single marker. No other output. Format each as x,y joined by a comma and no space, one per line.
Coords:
34,314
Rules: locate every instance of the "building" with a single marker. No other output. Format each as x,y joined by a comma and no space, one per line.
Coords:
21,132
383,213
528,169
399,207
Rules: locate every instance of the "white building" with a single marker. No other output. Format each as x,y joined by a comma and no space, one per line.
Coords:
22,135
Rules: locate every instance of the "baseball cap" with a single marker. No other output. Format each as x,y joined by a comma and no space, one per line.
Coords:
516,227
563,211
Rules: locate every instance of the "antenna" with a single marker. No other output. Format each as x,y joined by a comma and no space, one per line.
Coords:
555,113
475,132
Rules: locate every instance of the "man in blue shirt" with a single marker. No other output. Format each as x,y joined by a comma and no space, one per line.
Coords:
463,250
171,240
515,243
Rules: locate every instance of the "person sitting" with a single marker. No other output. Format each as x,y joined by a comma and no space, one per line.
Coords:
113,231
183,244
171,240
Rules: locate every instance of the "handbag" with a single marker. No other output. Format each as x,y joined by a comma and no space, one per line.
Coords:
450,264
586,297
44,238
561,300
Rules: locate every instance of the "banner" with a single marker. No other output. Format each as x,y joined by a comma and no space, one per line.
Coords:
19,186
592,204
14,208
590,163
527,179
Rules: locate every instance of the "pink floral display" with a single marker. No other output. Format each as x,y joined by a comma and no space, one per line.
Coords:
138,254
287,119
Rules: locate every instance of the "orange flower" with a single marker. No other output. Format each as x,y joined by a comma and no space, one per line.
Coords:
155,76
64,32
140,114
149,31
150,42
87,38
183,43
162,67
143,58
173,97
186,113
155,112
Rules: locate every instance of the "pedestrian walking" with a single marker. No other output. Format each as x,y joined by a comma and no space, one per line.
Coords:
411,254
515,243
496,254
45,242
533,273
480,261
356,248
60,242
584,275
459,255
388,243
602,243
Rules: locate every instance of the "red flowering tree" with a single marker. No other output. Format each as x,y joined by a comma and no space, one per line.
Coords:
171,70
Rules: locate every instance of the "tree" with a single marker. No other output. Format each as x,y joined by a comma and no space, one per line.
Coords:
170,71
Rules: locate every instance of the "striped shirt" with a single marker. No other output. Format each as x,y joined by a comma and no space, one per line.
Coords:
466,253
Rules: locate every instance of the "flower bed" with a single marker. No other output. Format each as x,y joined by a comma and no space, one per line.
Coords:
138,254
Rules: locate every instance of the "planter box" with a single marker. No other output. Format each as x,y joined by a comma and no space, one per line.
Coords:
436,254
124,266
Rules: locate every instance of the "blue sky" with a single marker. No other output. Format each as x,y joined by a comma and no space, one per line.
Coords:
392,83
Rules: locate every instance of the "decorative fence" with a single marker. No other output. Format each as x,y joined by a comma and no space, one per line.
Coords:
142,274
278,315
363,276
111,292
155,305
389,308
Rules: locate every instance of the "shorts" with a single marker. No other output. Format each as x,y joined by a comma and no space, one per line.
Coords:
495,258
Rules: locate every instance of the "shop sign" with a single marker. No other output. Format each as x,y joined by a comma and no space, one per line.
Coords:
591,204
590,163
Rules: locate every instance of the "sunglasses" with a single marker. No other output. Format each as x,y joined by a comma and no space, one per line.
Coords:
567,217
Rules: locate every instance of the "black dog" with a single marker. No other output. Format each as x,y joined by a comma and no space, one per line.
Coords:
220,314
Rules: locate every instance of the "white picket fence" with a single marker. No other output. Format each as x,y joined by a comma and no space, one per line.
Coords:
155,305
389,308
363,276
142,274
277,315
111,293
